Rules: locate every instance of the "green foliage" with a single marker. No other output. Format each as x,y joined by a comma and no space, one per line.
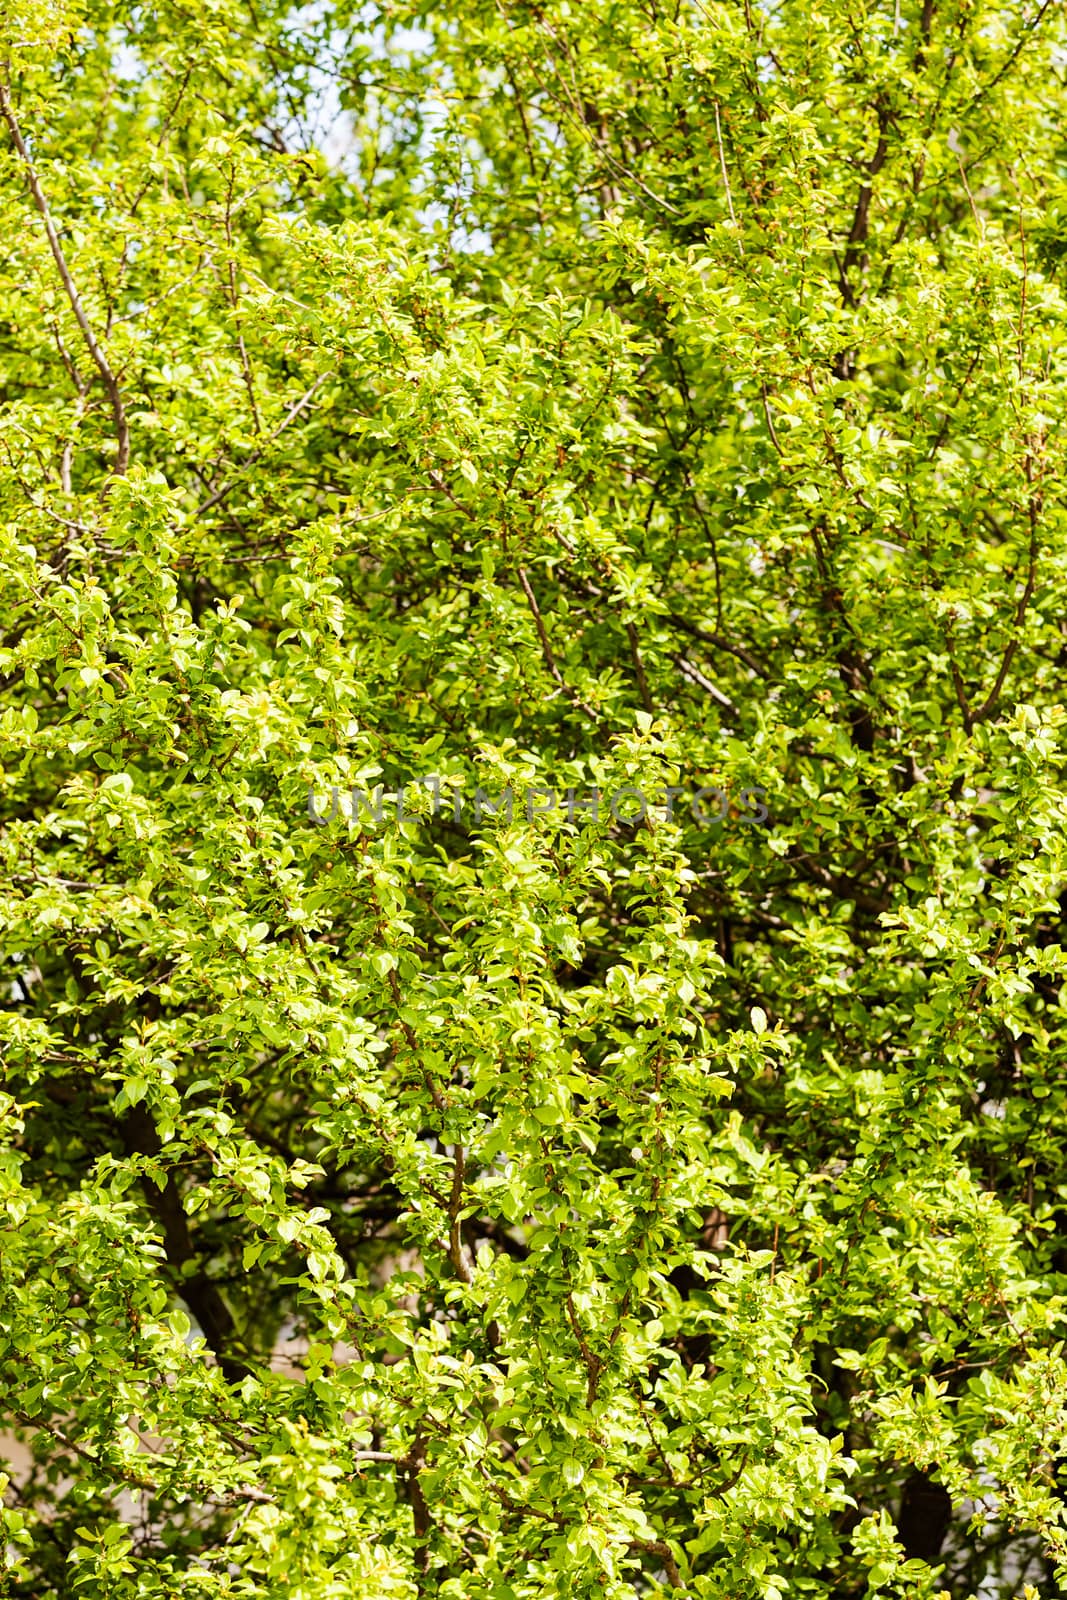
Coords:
552,396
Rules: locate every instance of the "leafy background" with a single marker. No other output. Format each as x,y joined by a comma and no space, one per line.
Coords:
538,395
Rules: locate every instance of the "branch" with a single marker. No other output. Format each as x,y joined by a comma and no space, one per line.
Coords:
546,648
290,416
719,641
1006,66
535,610
726,177
660,1548
114,394
696,676
861,219
989,704
770,420
594,1366
456,1252
422,1521
958,684
200,1293
639,669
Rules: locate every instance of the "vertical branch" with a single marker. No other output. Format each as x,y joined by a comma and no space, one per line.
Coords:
639,668
1033,513
726,177
526,139
231,279
594,1366
67,457
110,382
546,648
422,1522
456,1253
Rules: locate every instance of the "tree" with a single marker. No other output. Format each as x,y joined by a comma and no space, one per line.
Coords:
630,1162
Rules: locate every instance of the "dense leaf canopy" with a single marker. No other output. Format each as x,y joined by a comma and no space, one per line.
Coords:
652,411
